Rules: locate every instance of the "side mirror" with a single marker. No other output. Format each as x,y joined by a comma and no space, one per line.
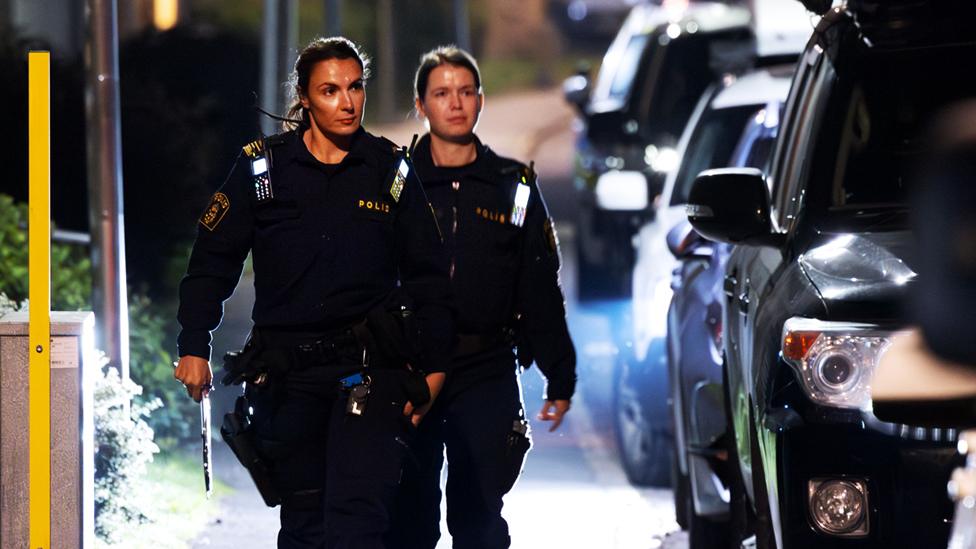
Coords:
684,241
818,7
732,205
576,90
622,191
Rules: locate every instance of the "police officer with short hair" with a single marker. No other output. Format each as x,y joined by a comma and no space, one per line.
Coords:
504,263
341,235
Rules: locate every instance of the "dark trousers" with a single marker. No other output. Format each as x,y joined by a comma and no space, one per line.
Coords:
337,473
473,419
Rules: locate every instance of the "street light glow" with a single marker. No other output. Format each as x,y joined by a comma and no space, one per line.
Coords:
165,14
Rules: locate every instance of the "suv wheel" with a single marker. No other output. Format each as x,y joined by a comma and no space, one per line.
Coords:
644,444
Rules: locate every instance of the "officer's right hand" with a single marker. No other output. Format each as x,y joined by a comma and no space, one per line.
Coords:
435,382
195,374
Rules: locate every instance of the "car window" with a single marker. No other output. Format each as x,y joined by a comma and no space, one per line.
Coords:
710,146
884,104
678,74
755,147
623,77
759,151
616,77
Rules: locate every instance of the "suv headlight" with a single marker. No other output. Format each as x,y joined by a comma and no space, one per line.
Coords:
835,361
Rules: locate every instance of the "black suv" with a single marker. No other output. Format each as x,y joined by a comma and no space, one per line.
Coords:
814,283
652,75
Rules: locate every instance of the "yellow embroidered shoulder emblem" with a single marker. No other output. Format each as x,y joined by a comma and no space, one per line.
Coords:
254,148
218,208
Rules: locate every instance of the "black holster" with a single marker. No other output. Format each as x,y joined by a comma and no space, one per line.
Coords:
238,433
391,336
248,364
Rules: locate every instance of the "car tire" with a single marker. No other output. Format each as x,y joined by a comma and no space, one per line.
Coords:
645,446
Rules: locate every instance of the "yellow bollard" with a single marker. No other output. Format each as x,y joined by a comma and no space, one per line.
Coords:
39,227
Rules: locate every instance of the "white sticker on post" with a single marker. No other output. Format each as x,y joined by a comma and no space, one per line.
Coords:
64,352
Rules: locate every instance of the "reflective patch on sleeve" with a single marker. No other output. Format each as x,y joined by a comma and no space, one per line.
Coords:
218,208
551,241
399,180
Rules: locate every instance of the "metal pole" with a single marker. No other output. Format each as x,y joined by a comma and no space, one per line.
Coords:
333,17
280,46
287,45
462,25
387,61
105,211
39,268
269,65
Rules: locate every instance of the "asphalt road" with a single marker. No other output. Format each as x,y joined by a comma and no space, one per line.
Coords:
573,493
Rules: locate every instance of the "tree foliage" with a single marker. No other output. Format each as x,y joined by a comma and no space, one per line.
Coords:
70,266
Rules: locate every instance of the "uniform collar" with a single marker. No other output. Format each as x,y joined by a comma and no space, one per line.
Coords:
481,168
296,151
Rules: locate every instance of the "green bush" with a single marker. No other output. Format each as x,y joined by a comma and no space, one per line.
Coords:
71,280
152,367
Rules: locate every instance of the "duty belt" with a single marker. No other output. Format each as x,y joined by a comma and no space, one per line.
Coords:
470,344
325,351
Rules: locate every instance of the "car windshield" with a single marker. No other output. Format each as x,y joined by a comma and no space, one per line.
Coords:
710,146
880,109
621,75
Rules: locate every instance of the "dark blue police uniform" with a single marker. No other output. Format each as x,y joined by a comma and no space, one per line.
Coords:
504,264
334,242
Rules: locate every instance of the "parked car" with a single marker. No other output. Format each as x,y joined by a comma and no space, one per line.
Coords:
694,344
813,285
654,71
642,416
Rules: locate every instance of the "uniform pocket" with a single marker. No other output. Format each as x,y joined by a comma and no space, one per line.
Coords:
276,211
372,447
495,236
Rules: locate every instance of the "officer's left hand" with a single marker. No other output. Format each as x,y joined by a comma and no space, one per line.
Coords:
554,410
435,382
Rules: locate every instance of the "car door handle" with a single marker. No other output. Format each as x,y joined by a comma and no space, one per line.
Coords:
728,285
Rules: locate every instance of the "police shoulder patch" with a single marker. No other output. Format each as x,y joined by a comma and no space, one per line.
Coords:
254,148
215,212
552,243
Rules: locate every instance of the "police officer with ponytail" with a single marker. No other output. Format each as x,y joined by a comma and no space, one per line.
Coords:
352,305
504,264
